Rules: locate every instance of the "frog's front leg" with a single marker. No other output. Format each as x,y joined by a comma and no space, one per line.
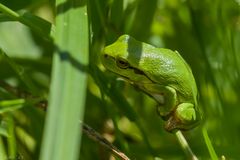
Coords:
165,96
183,118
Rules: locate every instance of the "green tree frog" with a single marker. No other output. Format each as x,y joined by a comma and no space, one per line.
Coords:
162,74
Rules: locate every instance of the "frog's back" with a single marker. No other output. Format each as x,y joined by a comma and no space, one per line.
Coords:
167,67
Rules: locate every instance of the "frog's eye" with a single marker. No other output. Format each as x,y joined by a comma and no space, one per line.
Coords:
121,63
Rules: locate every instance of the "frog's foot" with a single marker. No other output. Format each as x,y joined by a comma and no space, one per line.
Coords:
183,118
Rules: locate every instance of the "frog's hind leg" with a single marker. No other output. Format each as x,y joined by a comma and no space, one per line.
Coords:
184,118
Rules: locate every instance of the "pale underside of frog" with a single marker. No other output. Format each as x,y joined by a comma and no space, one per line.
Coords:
162,74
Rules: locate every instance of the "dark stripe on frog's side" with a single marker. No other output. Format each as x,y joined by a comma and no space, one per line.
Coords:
137,71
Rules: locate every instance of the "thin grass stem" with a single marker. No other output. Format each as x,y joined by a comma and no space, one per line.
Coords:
184,144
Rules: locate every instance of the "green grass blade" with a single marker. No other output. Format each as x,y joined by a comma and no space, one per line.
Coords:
37,24
62,133
11,105
3,154
119,100
209,144
3,130
20,71
185,146
11,140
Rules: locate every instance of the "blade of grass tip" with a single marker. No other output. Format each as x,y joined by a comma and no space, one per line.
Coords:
11,105
211,150
186,148
62,133
12,102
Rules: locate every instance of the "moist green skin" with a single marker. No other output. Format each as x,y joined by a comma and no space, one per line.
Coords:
162,74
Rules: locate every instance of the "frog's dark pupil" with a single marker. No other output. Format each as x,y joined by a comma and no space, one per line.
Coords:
122,64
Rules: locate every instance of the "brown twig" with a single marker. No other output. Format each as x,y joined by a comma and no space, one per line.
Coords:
30,99
92,134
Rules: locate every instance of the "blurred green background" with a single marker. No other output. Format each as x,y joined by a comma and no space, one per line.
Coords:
205,32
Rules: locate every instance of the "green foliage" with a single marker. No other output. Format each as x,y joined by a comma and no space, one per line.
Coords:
43,42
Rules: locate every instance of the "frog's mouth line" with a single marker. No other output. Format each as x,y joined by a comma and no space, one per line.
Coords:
132,81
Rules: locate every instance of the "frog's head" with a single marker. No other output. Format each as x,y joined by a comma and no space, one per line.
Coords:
123,57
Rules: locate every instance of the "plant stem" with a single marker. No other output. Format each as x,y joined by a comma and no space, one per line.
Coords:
209,144
9,12
92,134
186,148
